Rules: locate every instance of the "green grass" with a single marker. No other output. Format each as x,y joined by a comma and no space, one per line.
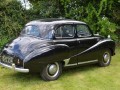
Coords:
89,77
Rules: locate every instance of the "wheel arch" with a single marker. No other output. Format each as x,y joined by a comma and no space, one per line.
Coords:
112,51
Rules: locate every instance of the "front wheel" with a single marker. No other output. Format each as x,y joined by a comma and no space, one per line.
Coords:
51,71
105,58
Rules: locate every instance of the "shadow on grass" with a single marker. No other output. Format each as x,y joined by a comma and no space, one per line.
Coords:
81,69
27,77
31,77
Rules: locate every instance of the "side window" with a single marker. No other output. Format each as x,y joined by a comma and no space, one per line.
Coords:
83,31
64,31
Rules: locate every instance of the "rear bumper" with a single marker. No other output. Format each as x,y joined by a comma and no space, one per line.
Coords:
13,67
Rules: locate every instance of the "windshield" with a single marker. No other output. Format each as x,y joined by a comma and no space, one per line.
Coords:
42,31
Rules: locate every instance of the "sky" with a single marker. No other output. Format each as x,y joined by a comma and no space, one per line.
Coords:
26,4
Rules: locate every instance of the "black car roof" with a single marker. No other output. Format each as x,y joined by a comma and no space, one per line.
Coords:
53,21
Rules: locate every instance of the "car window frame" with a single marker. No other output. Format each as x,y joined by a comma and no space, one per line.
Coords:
88,29
57,26
21,33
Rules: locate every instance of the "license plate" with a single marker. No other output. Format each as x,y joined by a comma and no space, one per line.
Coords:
7,59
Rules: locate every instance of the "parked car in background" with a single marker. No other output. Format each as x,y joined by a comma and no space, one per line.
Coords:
48,45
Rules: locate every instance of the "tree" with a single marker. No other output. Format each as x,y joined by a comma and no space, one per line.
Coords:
102,16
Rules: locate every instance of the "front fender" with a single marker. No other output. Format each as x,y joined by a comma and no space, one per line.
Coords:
102,44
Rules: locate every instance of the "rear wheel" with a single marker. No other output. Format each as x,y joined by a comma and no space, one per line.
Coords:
105,58
51,71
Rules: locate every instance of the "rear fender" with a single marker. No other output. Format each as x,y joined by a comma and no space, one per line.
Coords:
39,58
55,52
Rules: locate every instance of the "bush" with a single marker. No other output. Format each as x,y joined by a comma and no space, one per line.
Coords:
98,14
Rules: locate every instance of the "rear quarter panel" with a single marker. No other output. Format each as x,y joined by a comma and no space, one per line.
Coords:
40,58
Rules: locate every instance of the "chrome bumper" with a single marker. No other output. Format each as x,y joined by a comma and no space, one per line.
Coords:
13,67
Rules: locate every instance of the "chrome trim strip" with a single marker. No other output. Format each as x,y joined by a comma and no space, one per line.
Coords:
15,68
61,45
84,38
65,40
67,61
71,64
88,62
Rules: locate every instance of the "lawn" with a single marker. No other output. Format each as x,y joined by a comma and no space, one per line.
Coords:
89,77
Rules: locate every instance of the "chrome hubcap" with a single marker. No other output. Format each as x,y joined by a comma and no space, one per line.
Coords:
106,57
52,69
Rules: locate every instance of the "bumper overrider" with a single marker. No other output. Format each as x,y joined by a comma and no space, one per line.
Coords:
13,67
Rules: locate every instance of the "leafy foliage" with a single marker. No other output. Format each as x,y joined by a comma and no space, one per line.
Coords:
102,16
94,13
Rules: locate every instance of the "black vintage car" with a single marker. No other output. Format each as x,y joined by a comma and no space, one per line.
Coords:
48,45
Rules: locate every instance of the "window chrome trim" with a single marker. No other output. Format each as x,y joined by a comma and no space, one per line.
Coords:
88,29
65,37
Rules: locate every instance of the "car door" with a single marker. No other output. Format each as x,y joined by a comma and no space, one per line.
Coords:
85,40
65,34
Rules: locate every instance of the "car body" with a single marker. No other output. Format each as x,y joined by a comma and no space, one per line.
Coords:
48,45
